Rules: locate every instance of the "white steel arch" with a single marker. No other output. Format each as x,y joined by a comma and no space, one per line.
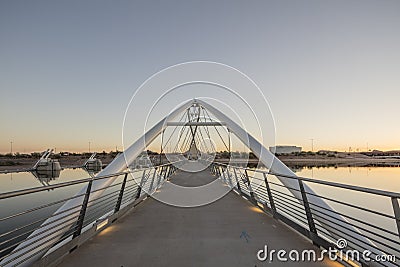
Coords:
27,252
27,255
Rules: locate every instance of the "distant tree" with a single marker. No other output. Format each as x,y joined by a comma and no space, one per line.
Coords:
35,154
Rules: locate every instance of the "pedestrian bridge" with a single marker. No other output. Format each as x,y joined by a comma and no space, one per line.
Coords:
228,232
191,210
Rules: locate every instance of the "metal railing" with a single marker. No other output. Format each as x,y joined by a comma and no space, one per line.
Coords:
262,188
19,230
379,225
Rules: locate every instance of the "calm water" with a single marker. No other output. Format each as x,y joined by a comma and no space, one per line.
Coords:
22,180
384,178
17,181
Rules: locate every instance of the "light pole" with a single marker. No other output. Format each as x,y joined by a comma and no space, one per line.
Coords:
11,147
89,146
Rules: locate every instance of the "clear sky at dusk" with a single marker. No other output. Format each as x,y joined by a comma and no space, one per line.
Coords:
329,69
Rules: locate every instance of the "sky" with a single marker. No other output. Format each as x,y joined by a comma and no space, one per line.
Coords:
329,69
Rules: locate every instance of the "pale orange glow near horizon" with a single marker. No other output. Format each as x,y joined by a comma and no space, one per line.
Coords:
99,148
328,69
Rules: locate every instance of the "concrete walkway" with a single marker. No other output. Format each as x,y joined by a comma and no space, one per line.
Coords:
156,234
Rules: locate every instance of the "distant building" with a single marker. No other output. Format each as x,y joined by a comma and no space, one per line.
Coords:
285,149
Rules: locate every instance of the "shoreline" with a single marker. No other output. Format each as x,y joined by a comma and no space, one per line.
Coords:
25,164
66,162
325,162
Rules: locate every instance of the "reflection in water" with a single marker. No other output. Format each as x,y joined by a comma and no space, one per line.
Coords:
46,176
92,170
383,178
93,164
22,180
296,167
18,205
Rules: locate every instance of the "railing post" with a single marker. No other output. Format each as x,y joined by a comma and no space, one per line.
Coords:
396,209
307,209
229,177
173,170
219,171
223,175
152,180
121,194
237,180
252,196
271,200
160,176
166,172
139,190
169,171
81,218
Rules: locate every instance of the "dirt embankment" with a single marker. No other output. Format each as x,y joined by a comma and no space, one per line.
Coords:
8,163
338,159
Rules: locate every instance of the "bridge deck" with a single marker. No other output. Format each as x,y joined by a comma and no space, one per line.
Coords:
156,234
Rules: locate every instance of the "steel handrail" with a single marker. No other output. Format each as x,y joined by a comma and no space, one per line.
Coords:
316,181
305,210
69,183
80,215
